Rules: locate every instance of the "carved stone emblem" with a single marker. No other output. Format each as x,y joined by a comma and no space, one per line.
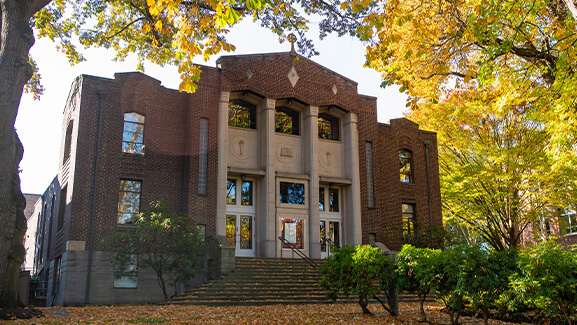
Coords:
285,154
241,148
335,89
248,73
327,159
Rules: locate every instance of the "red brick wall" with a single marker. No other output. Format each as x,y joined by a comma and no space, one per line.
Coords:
169,167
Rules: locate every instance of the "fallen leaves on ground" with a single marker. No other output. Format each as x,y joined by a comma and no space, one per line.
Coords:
273,314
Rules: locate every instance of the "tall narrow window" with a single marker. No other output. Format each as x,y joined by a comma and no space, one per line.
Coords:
231,191
203,157
321,199
370,185
62,208
333,199
129,201
408,219
405,158
241,114
68,142
246,195
133,137
328,127
286,121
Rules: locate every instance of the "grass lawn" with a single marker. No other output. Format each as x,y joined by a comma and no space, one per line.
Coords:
274,314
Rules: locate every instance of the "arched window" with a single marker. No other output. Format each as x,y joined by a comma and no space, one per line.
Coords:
286,120
133,137
241,114
406,160
328,127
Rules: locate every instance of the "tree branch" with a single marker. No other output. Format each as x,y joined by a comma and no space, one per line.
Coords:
125,27
451,73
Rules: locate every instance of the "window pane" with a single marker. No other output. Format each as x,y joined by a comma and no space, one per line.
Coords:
134,117
405,166
133,134
128,200
126,276
246,198
370,186
245,232
203,157
292,231
241,114
323,236
292,193
328,127
286,121
321,199
408,219
333,200
231,191
231,229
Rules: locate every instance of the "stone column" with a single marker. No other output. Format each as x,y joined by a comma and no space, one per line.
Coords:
310,160
266,211
352,195
222,163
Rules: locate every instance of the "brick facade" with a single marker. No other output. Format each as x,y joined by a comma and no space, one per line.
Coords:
93,164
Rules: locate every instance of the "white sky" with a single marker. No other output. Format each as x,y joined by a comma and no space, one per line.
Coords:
39,123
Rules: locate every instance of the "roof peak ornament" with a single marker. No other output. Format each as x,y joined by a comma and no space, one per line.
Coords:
292,39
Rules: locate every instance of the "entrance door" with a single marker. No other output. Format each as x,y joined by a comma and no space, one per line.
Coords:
330,235
240,233
330,218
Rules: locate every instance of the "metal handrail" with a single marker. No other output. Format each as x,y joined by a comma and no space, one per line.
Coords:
302,255
332,243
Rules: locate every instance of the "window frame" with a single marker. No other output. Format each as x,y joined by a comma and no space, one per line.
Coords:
294,116
252,116
405,171
299,232
140,145
133,214
130,280
408,219
301,201
334,124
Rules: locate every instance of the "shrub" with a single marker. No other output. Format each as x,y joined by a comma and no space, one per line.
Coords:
363,271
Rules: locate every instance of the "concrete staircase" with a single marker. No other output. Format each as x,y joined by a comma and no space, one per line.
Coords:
262,281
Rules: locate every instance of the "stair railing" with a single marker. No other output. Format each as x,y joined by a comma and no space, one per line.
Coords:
297,251
332,243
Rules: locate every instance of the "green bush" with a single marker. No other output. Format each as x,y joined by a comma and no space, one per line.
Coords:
363,271
548,279
416,272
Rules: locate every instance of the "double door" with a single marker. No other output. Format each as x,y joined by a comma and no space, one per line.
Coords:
240,233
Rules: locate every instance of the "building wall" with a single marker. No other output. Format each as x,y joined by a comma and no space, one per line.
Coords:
31,212
80,207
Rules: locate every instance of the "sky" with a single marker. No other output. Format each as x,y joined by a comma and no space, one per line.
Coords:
39,122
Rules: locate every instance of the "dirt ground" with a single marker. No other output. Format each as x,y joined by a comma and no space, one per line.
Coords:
274,314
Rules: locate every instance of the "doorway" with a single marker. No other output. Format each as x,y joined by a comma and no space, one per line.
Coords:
240,233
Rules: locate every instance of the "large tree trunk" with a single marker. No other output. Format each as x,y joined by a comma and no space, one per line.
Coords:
15,41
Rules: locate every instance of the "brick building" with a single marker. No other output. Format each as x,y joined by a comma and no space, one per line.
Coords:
269,145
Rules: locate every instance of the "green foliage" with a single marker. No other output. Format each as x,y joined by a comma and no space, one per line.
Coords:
165,241
417,272
548,279
363,271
